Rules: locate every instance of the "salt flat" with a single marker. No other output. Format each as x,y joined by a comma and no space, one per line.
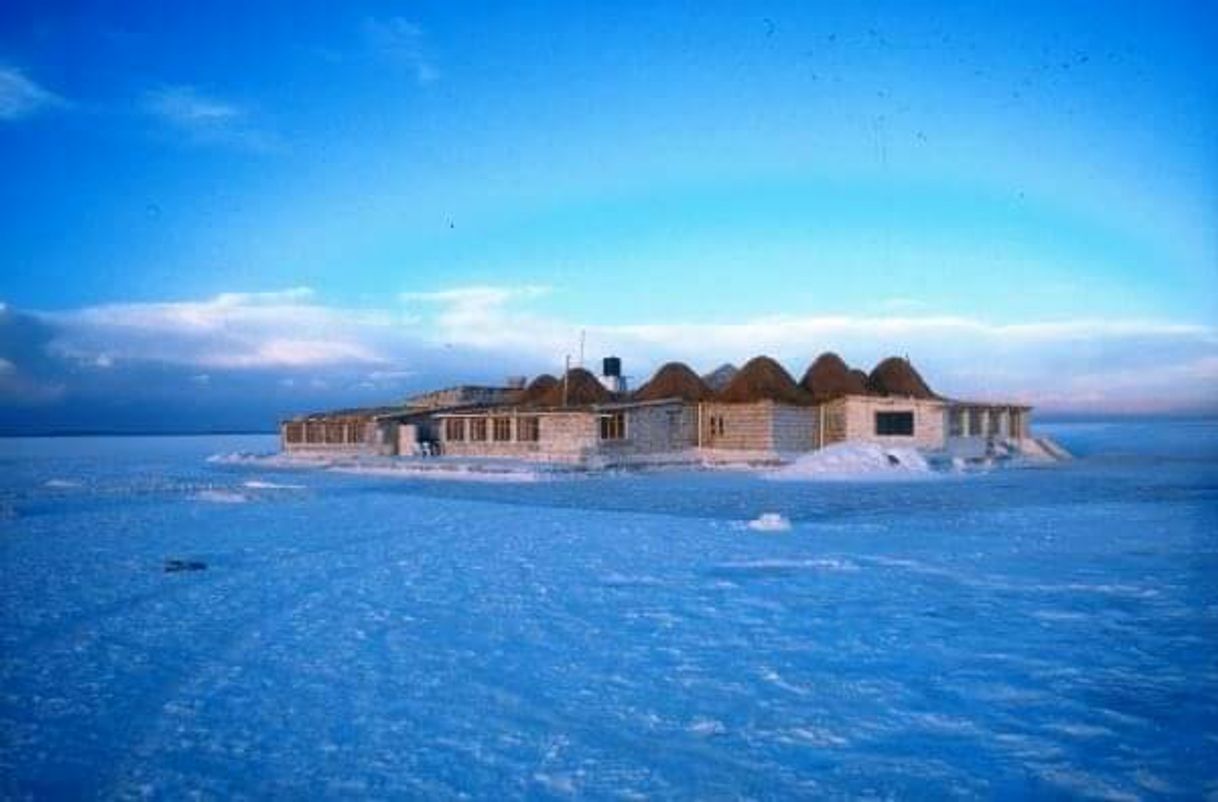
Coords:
1020,633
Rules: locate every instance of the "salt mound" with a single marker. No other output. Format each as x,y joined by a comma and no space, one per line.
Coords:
847,460
770,522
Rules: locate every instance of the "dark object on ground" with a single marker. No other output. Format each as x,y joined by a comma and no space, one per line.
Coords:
892,460
173,566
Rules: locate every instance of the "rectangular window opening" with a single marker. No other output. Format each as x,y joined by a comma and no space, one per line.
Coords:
528,430
613,426
502,430
894,424
477,429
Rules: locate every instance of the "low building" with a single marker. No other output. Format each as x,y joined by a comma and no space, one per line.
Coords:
342,431
758,414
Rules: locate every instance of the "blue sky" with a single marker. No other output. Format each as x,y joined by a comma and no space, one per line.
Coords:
240,213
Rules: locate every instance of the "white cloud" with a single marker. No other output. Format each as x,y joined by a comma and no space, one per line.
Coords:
486,317
298,353
231,330
20,97
441,336
403,42
205,120
183,105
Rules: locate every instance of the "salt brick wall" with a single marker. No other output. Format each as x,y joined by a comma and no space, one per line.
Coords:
746,427
564,437
364,424
835,421
929,420
571,436
794,428
657,428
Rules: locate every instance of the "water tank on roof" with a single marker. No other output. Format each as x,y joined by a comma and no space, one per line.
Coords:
612,366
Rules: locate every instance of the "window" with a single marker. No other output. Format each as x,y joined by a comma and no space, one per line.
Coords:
900,424
613,426
955,422
477,429
454,429
528,430
503,430
315,433
294,432
974,422
355,433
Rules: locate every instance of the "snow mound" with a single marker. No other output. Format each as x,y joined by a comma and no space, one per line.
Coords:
769,522
850,460
60,484
258,484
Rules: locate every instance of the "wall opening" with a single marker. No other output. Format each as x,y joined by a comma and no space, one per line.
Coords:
894,424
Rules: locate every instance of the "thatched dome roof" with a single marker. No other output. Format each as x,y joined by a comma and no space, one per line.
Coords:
763,379
719,378
896,376
829,377
537,389
582,389
674,380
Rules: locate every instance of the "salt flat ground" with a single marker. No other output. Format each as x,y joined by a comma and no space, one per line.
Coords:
1034,633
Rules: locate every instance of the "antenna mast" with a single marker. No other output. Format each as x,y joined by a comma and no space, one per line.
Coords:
565,374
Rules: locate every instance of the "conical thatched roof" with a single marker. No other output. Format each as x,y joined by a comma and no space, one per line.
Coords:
674,380
895,376
537,389
762,379
864,379
582,389
719,378
829,377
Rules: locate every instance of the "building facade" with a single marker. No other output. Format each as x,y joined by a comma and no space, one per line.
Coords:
761,416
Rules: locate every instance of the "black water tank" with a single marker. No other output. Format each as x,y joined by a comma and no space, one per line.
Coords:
612,366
